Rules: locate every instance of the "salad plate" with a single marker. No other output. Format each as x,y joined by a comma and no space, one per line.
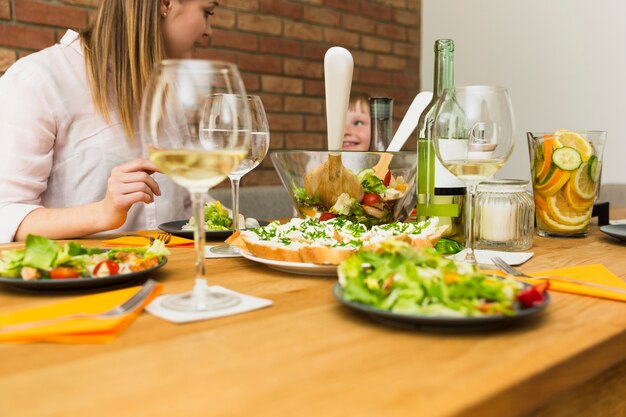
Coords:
617,231
300,268
176,228
73,284
440,322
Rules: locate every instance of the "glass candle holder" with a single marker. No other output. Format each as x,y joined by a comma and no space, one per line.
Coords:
504,215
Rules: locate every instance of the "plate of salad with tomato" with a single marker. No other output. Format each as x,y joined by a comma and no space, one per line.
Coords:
218,223
47,265
420,288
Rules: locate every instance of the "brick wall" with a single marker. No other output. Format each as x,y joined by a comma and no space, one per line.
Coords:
279,46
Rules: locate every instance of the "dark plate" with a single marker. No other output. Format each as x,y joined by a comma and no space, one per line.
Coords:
439,323
176,228
83,284
617,231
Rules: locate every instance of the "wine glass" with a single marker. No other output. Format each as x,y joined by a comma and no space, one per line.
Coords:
473,136
259,144
197,132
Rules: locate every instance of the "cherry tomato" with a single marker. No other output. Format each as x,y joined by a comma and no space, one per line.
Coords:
370,199
113,267
63,272
327,216
387,179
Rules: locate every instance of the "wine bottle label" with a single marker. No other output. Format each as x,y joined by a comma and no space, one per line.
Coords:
437,209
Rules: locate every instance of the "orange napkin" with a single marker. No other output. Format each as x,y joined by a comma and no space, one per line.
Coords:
140,241
596,273
82,330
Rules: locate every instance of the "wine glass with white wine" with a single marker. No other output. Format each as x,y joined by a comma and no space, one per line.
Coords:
259,144
473,136
178,117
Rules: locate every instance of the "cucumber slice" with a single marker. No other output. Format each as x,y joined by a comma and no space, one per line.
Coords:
594,168
566,158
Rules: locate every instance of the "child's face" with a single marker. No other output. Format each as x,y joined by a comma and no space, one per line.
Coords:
356,136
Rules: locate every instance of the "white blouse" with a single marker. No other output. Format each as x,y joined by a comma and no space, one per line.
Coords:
56,150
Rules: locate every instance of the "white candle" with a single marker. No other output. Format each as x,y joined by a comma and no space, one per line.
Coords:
498,220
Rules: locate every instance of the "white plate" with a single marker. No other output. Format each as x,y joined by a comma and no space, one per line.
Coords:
294,267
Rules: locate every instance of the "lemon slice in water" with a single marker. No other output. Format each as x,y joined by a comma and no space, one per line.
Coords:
574,140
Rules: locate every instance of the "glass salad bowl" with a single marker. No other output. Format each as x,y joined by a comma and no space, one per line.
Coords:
387,179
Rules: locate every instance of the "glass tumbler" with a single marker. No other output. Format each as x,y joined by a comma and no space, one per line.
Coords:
504,215
566,167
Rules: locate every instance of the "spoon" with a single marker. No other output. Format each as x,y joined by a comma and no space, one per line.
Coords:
332,179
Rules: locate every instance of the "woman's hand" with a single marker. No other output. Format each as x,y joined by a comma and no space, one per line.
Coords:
128,184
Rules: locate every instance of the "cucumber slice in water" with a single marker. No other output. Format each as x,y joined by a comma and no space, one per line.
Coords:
566,158
594,168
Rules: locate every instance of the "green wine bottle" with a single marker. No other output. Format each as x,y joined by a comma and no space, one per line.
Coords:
439,193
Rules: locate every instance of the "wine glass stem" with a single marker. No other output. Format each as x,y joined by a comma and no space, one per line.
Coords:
469,223
234,185
197,203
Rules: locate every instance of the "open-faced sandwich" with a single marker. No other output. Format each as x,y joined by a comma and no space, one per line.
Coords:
331,241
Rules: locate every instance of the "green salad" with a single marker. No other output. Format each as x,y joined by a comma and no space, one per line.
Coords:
217,217
377,206
402,279
42,258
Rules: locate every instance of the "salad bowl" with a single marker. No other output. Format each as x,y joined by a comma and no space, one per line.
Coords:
387,179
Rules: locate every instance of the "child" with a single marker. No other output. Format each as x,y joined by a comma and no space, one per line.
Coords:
356,136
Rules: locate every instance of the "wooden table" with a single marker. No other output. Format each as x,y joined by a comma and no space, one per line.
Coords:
309,356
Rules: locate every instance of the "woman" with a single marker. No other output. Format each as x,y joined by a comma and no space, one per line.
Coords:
70,156
356,136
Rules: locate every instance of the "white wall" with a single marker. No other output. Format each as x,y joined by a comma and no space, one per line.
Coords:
563,61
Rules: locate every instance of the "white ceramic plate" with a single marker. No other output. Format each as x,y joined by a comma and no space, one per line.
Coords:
618,231
294,267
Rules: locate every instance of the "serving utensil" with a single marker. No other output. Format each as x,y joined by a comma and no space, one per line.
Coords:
409,121
500,263
126,307
332,179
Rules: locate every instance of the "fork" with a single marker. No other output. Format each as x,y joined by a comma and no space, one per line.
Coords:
500,263
126,307
164,237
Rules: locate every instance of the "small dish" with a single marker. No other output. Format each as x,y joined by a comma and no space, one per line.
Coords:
618,231
176,228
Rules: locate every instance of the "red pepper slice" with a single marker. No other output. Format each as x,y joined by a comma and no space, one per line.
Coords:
387,179
113,267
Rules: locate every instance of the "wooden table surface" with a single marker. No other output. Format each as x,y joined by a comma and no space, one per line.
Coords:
309,356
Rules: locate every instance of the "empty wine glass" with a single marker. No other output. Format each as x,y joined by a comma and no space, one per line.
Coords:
473,137
197,132
259,144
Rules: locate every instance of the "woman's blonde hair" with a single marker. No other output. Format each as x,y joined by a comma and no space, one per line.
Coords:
122,47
